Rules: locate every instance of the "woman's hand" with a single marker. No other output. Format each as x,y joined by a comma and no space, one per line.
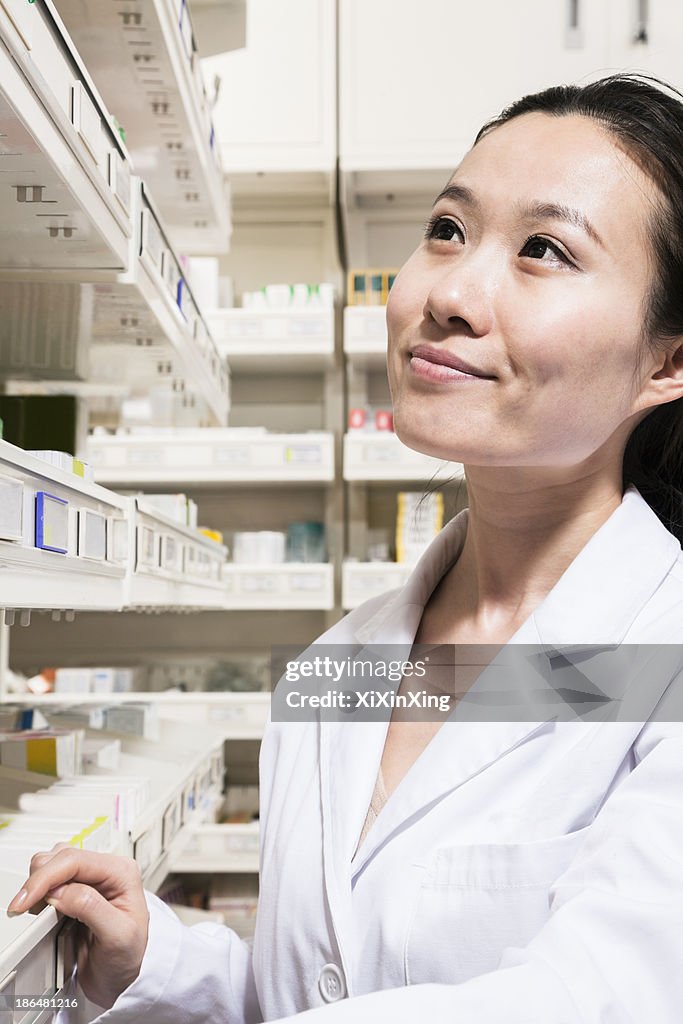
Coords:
105,893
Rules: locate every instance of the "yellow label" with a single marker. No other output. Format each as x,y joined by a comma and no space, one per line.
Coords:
41,755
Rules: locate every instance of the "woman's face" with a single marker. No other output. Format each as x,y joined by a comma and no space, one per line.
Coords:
533,276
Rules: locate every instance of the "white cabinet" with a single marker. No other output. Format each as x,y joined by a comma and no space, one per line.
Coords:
418,80
287,71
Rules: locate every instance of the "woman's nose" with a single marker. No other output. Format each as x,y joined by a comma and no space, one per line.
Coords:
461,298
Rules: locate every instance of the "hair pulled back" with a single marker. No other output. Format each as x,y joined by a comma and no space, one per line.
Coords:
647,122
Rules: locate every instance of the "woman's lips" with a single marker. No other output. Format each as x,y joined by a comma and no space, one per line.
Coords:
431,363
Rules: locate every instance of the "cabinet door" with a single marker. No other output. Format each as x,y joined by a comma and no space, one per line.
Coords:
276,109
418,79
648,36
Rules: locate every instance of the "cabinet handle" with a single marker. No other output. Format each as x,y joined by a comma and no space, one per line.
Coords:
642,21
573,21
573,32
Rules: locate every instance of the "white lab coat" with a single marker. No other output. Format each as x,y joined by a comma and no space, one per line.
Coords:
525,872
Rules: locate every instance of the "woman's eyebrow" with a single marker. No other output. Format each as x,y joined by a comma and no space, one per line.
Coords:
528,211
558,211
458,192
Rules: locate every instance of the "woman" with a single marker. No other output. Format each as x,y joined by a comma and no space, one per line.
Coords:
519,871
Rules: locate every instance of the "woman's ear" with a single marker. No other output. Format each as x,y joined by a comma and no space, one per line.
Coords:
666,383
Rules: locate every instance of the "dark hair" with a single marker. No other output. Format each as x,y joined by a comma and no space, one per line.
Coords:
648,123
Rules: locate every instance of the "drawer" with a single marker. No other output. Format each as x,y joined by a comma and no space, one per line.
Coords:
172,821
148,846
28,966
219,848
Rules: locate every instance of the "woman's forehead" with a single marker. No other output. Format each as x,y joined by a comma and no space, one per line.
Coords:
537,159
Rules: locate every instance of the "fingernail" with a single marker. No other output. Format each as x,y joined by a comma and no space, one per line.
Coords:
54,894
16,905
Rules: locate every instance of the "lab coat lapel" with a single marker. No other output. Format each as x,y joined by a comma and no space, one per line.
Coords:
466,744
350,755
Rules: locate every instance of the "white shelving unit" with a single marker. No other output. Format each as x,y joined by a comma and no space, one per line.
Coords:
203,457
379,455
289,586
287,340
145,62
68,170
363,580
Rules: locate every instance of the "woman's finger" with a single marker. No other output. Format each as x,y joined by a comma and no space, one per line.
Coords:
86,905
108,873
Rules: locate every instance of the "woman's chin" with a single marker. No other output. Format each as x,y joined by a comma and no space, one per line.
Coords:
427,444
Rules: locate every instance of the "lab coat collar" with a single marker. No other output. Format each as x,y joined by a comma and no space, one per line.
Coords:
598,597
594,602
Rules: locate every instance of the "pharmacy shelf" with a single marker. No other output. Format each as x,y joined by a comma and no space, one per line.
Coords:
176,567
274,340
152,313
379,456
363,580
238,715
215,849
365,336
145,63
140,331
64,164
184,787
198,458
65,542
292,585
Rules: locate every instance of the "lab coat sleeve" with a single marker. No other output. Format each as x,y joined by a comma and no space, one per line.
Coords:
189,975
611,951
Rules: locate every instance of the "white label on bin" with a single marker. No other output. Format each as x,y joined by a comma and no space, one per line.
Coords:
86,120
309,328
11,508
304,581
303,453
92,535
145,456
259,583
232,456
381,453
119,179
117,540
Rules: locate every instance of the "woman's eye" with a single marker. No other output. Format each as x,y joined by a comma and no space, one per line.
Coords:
536,248
442,229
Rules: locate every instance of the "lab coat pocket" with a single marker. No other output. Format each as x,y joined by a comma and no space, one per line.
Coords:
477,900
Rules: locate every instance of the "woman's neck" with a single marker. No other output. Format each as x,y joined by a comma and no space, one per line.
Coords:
521,537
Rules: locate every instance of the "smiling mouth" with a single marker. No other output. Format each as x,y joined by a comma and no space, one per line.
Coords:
438,364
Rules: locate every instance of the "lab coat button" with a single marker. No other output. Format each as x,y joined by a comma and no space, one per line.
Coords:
331,983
